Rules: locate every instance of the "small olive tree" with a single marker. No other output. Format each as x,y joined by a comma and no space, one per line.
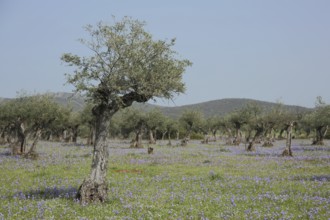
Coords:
319,120
133,121
190,121
126,65
155,119
26,117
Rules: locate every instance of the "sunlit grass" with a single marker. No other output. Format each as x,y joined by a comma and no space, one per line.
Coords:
193,182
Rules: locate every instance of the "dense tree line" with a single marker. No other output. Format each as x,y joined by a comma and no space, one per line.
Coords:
27,119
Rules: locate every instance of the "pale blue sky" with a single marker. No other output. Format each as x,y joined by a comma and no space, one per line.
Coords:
276,50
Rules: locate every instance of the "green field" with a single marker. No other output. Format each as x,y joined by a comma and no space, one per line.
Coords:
194,182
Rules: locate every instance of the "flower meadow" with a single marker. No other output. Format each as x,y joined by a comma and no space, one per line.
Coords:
198,181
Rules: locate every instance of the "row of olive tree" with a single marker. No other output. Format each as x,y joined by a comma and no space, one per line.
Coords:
250,124
32,117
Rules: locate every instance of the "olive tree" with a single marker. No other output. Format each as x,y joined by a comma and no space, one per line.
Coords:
88,120
256,126
126,65
27,117
155,119
191,121
319,121
215,125
288,121
171,126
133,121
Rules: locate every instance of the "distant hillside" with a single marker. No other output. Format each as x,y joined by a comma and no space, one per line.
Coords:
217,107
77,102
223,106
3,99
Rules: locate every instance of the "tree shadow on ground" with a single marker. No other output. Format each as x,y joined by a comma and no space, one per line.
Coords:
5,154
48,193
310,148
320,178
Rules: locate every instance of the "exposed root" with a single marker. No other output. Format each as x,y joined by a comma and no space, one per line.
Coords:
287,153
89,191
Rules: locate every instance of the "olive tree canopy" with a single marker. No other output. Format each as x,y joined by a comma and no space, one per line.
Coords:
126,65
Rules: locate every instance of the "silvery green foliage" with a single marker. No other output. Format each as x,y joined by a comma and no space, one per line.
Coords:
126,64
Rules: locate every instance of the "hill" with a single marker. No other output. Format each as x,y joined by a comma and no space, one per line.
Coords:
223,106
211,108
76,101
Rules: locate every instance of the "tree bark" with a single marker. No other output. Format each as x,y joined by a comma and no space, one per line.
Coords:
75,133
320,134
288,150
94,188
18,147
138,139
163,135
206,139
230,136
91,136
2,136
280,136
214,133
21,137
32,154
251,146
169,139
237,139
35,141
151,137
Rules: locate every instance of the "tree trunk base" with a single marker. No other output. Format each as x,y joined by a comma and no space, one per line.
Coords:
15,149
319,142
31,155
229,141
135,145
251,147
184,142
268,144
150,150
89,191
205,142
152,142
287,153
236,141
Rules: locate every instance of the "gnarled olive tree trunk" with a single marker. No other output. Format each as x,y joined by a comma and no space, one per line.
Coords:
288,150
320,131
91,135
169,139
32,154
3,136
251,146
238,137
206,138
151,137
35,141
259,129
94,188
137,143
18,146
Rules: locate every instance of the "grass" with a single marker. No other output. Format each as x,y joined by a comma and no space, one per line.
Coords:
194,182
